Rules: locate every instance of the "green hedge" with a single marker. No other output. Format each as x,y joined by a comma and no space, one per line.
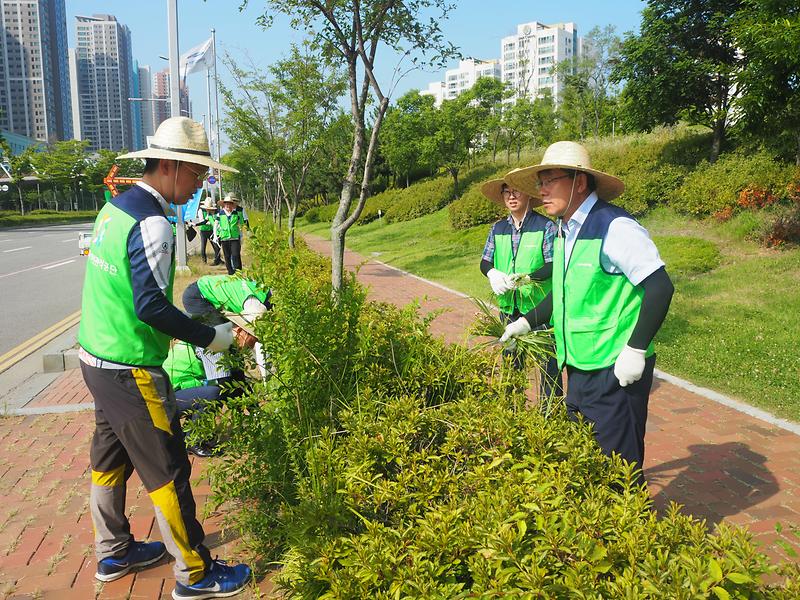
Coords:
379,462
713,188
43,217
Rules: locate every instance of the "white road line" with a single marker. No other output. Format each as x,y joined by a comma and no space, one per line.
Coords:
61,264
15,249
69,240
31,268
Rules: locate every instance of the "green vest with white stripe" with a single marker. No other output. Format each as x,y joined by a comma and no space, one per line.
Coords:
594,311
228,292
109,326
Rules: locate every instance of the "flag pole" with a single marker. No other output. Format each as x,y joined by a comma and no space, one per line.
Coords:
216,93
209,188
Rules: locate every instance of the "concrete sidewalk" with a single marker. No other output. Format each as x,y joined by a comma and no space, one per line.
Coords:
720,463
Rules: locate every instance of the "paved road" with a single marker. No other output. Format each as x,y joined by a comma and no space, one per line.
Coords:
41,277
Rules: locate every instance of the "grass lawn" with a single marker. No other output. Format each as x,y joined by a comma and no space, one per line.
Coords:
734,318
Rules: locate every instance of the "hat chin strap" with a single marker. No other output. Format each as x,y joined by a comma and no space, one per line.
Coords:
571,197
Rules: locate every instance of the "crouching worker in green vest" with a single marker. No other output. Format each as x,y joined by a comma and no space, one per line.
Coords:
211,295
198,381
610,296
128,320
520,247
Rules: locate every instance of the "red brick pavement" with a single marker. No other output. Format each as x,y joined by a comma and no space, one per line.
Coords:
718,463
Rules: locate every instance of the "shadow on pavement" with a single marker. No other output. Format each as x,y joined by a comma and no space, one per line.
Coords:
715,481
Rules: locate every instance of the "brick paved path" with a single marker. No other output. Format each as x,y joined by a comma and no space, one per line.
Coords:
719,463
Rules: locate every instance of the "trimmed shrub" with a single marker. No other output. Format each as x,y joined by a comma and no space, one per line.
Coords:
782,228
473,208
688,255
421,199
312,214
379,462
713,188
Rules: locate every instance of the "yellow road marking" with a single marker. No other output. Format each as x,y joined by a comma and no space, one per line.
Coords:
27,347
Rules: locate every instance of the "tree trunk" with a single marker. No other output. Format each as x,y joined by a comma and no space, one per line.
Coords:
454,173
797,156
719,138
21,203
292,216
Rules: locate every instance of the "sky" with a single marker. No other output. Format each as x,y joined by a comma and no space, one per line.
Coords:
475,27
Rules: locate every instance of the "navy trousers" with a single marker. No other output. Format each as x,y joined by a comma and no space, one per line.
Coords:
619,414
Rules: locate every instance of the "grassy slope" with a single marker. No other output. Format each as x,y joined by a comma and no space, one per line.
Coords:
733,328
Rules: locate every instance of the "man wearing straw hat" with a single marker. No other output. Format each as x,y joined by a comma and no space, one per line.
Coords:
206,226
610,296
127,322
519,249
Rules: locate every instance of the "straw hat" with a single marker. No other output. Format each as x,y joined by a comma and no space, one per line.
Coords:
229,197
208,204
493,190
180,138
566,155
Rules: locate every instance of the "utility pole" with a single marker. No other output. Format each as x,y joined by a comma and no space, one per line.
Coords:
175,105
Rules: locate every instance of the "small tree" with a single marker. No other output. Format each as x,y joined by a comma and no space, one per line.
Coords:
405,127
353,31
681,65
454,130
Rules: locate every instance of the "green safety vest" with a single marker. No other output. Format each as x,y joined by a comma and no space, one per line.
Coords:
594,312
209,217
228,226
528,259
109,326
184,368
228,292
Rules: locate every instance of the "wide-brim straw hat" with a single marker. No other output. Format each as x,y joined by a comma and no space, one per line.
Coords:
208,204
180,138
566,155
229,197
493,190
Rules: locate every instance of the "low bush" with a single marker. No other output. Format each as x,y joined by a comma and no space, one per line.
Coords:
420,199
783,227
377,461
42,217
473,208
687,255
714,188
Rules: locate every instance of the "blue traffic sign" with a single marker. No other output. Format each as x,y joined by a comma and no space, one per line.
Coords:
212,180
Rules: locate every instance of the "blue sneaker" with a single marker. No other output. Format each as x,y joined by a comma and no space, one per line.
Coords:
139,554
220,581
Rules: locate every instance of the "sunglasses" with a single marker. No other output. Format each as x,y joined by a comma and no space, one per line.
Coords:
198,176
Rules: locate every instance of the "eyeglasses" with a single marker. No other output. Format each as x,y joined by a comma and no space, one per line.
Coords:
546,183
198,177
510,192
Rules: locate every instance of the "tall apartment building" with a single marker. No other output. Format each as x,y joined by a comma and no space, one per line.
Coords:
528,57
162,109
102,70
146,114
526,63
34,79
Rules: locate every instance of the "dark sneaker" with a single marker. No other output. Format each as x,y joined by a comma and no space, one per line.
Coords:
203,450
140,554
220,581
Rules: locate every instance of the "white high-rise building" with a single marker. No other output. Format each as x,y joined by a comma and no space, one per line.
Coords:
526,63
459,80
528,57
103,69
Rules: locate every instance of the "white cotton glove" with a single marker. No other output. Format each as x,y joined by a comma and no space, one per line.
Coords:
515,329
629,366
223,338
500,282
